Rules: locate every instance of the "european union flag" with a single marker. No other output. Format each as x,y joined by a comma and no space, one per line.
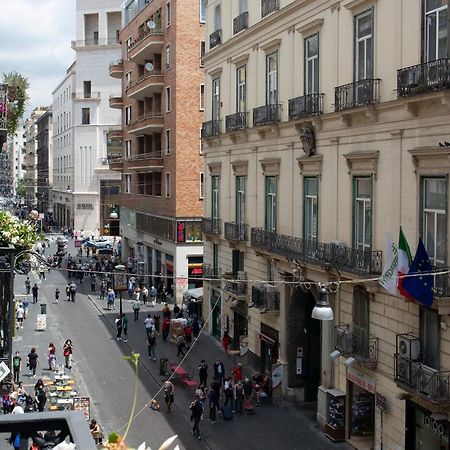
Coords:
420,287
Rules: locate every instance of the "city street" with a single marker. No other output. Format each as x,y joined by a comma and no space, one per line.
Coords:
108,379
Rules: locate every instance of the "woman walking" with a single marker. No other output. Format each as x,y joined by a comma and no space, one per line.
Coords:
67,352
51,357
33,360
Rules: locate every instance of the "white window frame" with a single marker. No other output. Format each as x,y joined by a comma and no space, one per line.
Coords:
200,151
202,53
167,189
215,109
128,76
313,62
201,192
127,181
364,39
437,12
168,98
168,14
202,97
311,204
272,80
271,205
218,17
128,113
366,203
240,184
167,56
167,141
128,149
241,89
202,18
215,189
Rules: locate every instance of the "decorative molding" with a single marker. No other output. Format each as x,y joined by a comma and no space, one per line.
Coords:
270,166
216,72
240,168
353,4
291,29
310,27
362,163
215,168
310,165
396,133
240,59
270,45
431,160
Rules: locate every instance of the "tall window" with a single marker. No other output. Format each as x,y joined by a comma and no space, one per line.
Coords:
434,218
430,337
364,46
312,64
85,116
216,99
201,192
127,115
127,149
241,89
310,211
167,143
127,184
361,320
271,204
168,14
217,18
215,197
167,185
202,11
436,30
168,99
272,79
87,89
202,97
167,56
202,52
240,200
127,79
362,211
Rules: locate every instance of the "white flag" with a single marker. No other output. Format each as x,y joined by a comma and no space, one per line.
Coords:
389,278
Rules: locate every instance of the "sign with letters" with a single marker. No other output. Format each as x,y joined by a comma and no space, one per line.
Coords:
361,379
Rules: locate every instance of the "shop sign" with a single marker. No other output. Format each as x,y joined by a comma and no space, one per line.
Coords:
438,428
83,404
380,402
361,379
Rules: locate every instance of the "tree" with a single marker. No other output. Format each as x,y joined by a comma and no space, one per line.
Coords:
17,99
21,189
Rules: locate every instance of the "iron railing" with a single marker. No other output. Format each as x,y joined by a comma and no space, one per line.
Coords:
210,128
362,347
308,105
357,261
143,156
235,122
441,286
94,41
358,93
215,38
429,76
236,231
266,115
143,78
211,272
240,22
269,6
212,226
237,288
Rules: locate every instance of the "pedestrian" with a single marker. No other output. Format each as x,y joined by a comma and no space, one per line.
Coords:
144,295
157,321
41,397
226,342
196,415
213,400
6,403
130,288
238,396
33,361
195,327
67,352
102,290
57,295
169,390
203,372
151,345
148,322
17,366
165,328
42,272
20,314
201,393
125,327
181,344
118,323
51,357
166,311
68,292
188,335
219,371
93,284
136,305
111,296
27,286
35,291
153,294
237,373
73,291
26,306
228,391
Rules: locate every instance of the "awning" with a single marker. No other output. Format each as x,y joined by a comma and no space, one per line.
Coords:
196,294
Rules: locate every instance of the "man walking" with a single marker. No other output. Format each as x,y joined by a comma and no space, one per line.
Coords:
136,307
20,314
35,291
203,372
110,298
125,327
148,322
118,322
17,365
219,371
151,344
196,415
168,394
27,286
73,291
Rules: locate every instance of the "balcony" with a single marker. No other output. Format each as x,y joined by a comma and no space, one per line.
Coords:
237,232
115,101
211,272
210,129
240,22
115,135
236,122
266,115
87,96
347,259
426,77
147,85
211,226
116,69
94,42
265,297
269,6
306,106
147,124
115,162
143,161
149,42
356,94
236,286
422,380
113,146
361,347
215,38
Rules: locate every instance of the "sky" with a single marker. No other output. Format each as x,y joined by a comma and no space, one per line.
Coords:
35,40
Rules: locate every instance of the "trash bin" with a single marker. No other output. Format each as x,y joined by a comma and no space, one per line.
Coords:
163,366
43,308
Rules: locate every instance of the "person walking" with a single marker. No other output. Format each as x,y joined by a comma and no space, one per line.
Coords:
67,352
33,361
238,396
136,305
125,327
169,390
196,415
27,286
73,291
148,322
51,357
93,284
17,366
144,295
118,323
102,290
181,344
226,342
165,328
157,321
151,345
111,297
195,327
20,314
219,371
68,292
57,296
41,397
213,401
35,292
188,335
203,372
237,373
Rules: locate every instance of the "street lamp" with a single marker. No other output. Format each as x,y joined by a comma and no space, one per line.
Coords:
121,269
322,310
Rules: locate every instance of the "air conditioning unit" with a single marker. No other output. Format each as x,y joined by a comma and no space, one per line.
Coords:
428,380
408,347
407,371
345,342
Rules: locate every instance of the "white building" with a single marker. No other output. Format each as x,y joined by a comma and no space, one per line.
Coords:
16,154
82,118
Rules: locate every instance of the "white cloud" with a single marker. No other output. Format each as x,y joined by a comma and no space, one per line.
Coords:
35,40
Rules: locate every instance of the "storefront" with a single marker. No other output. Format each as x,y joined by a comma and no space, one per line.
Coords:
269,348
195,272
425,430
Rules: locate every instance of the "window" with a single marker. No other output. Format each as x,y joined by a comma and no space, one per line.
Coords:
429,334
168,99
202,52
241,89
272,79
167,142
362,212
217,18
435,30
127,79
202,11
312,64
240,200
85,116
127,149
167,185
434,219
201,186
271,204
237,261
168,14
201,142
149,183
127,184
216,99
86,89
361,320
310,212
202,97
215,197
128,43
364,46
215,259
127,115
167,56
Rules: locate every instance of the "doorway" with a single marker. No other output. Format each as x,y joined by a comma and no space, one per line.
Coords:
216,315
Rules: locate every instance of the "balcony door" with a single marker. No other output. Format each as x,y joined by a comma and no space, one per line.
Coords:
312,64
271,204
362,213
364,46
436,30
272,79
216,99
214,197
430,338
240,200
241,89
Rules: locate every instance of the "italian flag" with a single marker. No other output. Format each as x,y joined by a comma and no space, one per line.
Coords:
404,261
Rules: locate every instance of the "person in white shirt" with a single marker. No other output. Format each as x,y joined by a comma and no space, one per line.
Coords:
20,314
148,322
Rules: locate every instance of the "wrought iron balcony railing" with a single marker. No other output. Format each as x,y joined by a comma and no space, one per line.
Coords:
362,347
269,6
237,285
211,272
212,226
265,297
235,122
215,38
236,231
308,105
210,128
266,115
429,76
357,261
358,93
240,22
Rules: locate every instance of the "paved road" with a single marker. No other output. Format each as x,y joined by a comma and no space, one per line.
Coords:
108,379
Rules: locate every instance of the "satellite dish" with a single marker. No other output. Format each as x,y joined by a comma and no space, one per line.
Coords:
151,25
149,66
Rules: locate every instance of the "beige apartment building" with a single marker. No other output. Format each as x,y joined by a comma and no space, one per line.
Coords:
160,161
322,132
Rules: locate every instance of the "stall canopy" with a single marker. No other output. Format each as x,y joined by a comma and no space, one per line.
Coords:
195,294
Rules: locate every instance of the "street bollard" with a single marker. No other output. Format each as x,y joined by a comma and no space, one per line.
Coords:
163,367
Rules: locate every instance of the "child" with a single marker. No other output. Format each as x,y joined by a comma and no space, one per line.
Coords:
57,295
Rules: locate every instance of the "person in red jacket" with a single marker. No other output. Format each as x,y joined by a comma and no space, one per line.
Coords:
237,373
188,335
165,328
226,342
